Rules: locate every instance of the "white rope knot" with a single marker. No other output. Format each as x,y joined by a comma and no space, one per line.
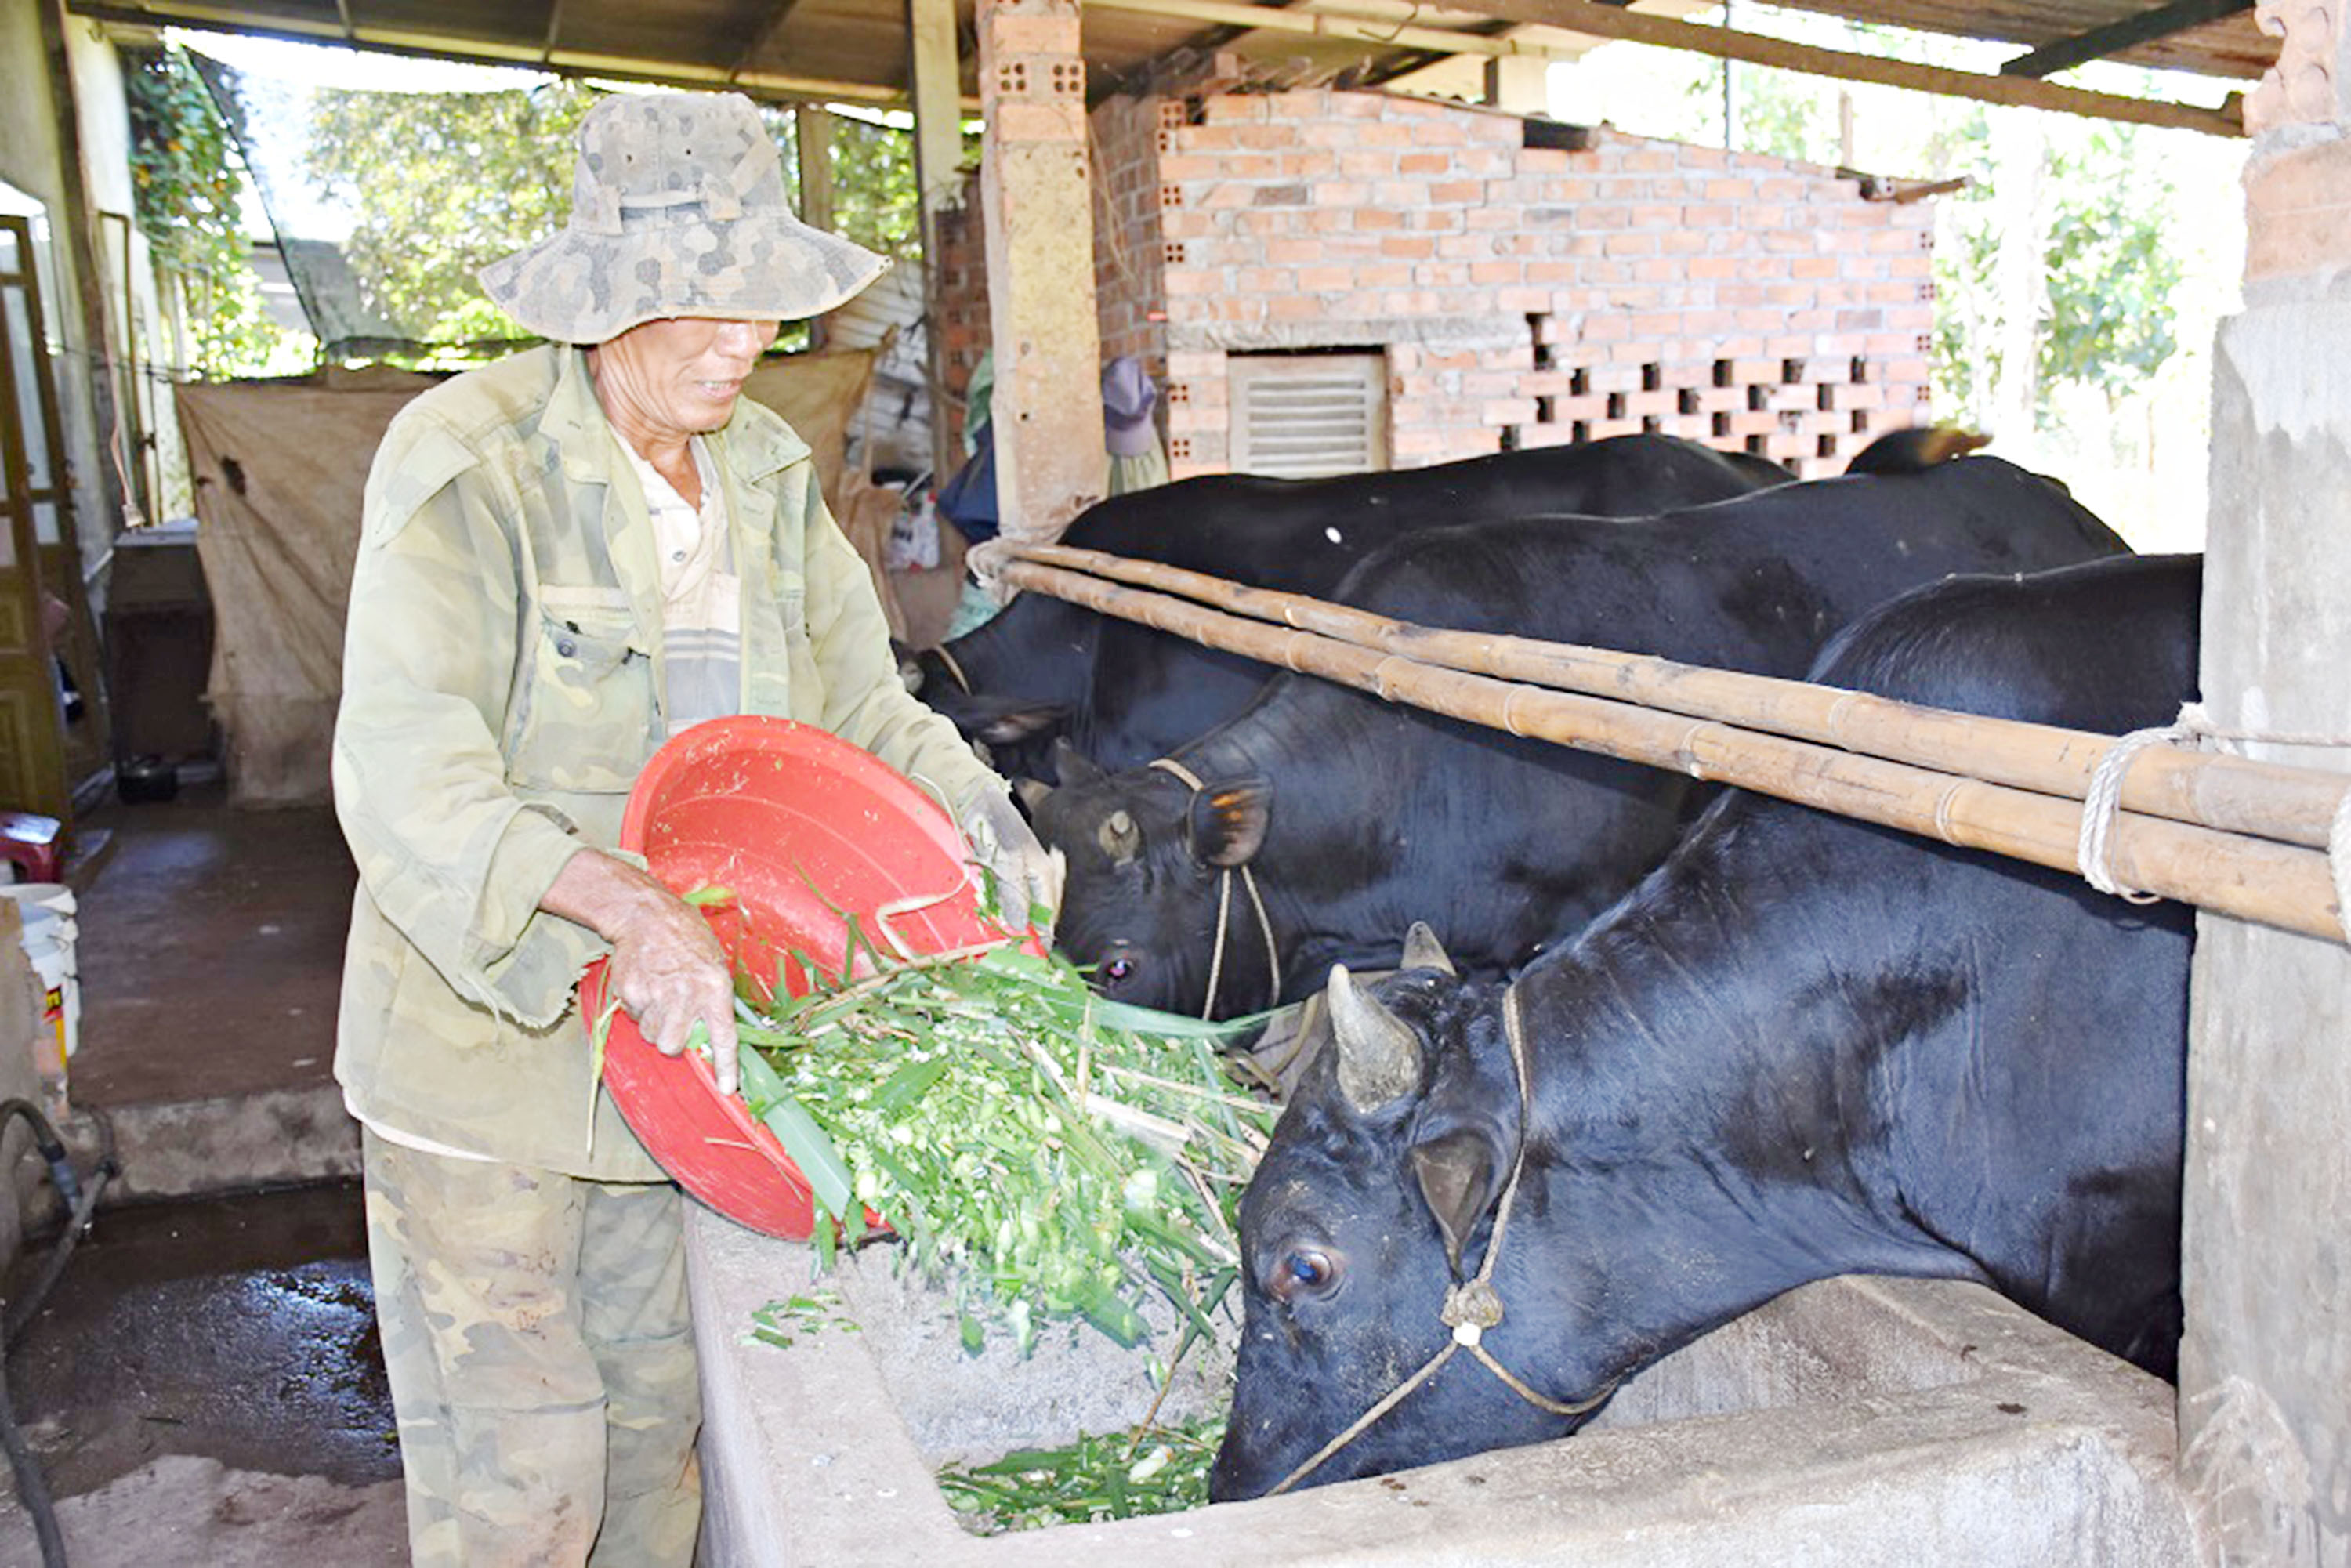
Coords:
2102,807
1470,1309
986,561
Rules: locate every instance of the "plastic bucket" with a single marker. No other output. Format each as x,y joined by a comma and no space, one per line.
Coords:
801,828
46,909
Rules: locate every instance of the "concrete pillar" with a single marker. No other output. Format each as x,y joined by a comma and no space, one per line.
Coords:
2265,1366
933,76
1037,209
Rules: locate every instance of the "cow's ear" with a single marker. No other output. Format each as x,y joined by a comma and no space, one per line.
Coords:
1421,950
1072,766
1459,1180
1379,1055
1228,821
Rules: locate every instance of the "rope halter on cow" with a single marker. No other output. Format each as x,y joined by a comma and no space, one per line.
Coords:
1191,781
1471,1306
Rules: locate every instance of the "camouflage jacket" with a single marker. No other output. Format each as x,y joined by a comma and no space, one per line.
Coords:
502,681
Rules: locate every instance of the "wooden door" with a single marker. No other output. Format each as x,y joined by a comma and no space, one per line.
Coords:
36,551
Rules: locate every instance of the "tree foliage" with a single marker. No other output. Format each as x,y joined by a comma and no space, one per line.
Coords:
187,192
442,184
2106,316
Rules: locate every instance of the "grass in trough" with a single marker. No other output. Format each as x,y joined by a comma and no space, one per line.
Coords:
1039,1151
1161,1469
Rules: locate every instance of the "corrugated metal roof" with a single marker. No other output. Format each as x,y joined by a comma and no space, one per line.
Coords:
855,51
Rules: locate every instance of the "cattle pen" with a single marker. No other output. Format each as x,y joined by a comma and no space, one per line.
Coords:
1960,1417
1343,241
2259,840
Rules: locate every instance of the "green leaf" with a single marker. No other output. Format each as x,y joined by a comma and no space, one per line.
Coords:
803,1139
908,1084
1114,1315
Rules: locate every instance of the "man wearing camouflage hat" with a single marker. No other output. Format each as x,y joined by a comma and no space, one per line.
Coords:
567,558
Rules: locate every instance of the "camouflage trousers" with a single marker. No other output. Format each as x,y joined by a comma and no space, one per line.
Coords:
541,1360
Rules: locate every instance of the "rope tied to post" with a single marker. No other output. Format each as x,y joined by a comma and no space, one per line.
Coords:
2195,729
2102,805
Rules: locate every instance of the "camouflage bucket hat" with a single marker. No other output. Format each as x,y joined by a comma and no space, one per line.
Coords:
678,209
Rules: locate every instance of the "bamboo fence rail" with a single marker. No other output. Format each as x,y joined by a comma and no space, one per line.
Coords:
2181,835
2234,794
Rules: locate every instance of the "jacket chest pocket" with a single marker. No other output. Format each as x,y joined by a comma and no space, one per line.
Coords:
584,716
780,666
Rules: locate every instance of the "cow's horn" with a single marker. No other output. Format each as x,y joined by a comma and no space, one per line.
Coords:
1421,950
1118,837
1379,1056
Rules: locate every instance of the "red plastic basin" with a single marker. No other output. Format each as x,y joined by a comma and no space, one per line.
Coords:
799,826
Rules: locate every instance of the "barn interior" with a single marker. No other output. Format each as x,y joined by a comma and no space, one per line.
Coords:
186,810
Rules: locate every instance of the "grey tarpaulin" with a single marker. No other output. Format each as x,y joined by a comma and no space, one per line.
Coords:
279,468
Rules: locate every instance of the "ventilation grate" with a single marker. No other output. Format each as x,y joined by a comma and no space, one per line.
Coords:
1306,416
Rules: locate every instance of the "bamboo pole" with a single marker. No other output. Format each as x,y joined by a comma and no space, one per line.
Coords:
1595,18
2231,794
2278,884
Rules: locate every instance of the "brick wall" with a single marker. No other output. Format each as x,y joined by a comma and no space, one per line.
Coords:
962,302
1523,296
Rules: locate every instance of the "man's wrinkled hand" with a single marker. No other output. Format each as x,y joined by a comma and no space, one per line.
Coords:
667,968
1028,874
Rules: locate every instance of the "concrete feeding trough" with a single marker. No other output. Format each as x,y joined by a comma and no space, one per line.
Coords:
1855,1420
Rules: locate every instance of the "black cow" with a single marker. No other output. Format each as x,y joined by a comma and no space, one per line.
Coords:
1804,1047
1355,817
1123,694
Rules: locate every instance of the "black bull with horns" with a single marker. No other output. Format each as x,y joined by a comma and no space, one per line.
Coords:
1343,818
1804,1047
1044,669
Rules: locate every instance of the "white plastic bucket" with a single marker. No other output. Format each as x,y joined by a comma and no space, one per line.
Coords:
48,911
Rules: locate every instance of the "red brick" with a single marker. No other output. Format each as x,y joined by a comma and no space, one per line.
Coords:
1199,138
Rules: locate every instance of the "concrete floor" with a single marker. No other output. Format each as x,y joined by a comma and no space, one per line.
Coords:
203,1384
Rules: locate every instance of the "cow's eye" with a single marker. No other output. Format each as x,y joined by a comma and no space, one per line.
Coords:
1118,969
1303,1271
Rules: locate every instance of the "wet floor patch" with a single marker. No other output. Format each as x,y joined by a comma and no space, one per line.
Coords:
237,1329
